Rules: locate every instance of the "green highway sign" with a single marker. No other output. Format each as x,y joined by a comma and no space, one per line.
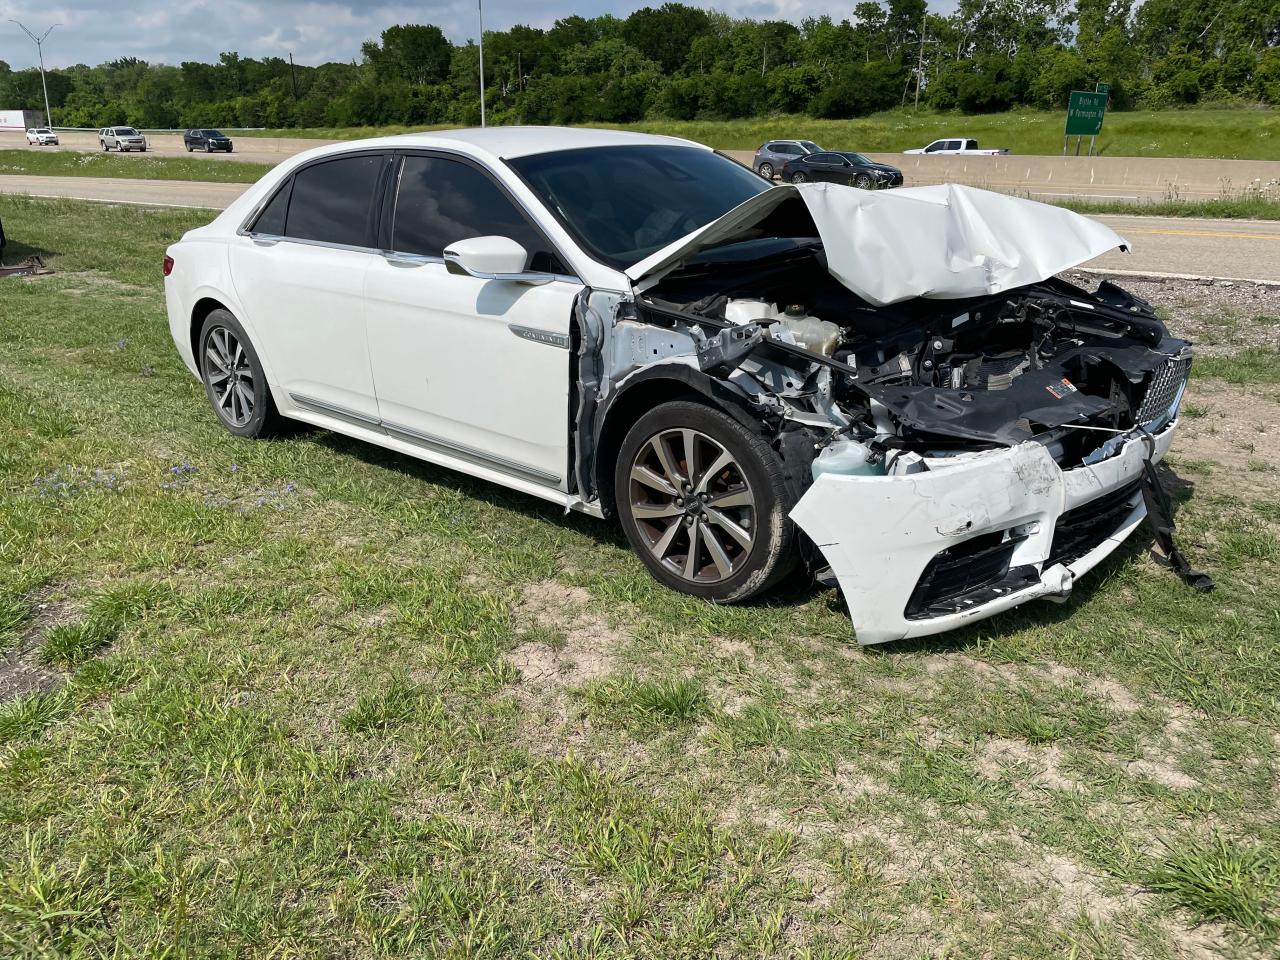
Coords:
1103,88
1084,113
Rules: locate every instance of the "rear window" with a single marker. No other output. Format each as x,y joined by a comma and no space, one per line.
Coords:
271,220
332,201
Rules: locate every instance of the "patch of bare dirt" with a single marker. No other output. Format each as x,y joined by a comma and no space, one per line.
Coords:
19,672
1165,774
1239,433
581,645
1074,890
1036,764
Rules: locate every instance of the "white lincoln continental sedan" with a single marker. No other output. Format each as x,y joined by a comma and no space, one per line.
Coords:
892,389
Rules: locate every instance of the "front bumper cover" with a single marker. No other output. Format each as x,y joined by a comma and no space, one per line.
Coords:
879,534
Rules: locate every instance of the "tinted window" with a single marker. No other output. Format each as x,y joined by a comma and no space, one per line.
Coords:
272,218
331,200
623,203
442,201
810,146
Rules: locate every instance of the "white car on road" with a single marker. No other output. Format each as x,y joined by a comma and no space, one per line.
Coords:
637,327
42,137
959,146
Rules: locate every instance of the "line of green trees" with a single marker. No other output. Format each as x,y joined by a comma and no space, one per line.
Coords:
682,62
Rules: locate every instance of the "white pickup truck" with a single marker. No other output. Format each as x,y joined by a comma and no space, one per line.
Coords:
958,147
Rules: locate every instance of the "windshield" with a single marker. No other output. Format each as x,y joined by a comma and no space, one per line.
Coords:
44,130
855,158
126,132
212,133
623,203
811,146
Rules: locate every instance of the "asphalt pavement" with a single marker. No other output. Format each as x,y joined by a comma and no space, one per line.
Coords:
1224,249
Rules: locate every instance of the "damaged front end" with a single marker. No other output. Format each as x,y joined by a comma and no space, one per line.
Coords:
953,453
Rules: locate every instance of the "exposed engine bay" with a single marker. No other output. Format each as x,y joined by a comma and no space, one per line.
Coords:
1050,362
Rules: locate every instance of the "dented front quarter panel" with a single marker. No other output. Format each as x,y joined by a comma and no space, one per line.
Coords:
879,533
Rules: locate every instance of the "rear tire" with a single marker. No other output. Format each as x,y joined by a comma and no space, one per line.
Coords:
798,177
703,502
766,171
234,380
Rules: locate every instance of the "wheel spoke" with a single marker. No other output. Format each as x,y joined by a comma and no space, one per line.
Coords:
220,342
655,511
663,544
217,376
737,497
217,361
729,527
718,556
717,467
691,558
689,440
246,399
642,474
673,475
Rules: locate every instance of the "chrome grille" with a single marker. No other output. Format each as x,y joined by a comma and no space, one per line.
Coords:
1164,388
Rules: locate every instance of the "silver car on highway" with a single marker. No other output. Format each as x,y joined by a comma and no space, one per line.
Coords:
122,138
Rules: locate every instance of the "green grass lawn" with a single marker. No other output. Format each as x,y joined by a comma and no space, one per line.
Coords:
307,698
67,163
1234,134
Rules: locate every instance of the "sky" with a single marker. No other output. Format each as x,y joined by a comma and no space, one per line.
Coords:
315,31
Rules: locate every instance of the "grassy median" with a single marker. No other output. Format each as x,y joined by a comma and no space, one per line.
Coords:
134,166
1239,134
309,698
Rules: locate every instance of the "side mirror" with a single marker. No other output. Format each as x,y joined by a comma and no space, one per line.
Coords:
491,258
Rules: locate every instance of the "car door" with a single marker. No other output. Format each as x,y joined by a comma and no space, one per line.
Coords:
299,272
477,369
825,167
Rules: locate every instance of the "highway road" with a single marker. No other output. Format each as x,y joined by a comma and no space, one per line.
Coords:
1224,249
247,149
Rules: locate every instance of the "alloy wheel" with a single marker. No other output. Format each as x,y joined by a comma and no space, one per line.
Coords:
798,178
693,505
766,170
229,375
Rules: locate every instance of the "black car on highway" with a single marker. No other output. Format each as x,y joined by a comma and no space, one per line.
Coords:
851,168
206,140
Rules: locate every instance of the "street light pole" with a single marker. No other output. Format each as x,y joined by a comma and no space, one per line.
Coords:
480,7
39,42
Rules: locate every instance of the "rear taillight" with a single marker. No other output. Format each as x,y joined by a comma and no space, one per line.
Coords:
168,264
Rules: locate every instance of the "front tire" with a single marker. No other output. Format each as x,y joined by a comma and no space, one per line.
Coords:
862,181
234,379
703,503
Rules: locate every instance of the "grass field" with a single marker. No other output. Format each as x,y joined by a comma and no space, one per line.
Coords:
305,698
66,163
1230,134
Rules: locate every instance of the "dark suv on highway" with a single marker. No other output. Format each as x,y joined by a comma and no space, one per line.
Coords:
206,140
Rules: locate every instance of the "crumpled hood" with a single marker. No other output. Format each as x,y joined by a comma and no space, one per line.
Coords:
943,242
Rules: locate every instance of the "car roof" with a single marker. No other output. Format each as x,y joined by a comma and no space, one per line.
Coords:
515,141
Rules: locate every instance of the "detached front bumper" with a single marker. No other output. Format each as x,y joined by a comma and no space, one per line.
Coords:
921,553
